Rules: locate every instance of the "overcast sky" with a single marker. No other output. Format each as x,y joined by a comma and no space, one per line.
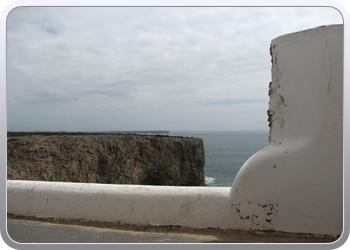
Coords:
149,68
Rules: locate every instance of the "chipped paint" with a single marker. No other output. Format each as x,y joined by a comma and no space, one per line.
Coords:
278,104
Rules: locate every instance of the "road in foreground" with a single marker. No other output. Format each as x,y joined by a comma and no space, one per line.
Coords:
68,231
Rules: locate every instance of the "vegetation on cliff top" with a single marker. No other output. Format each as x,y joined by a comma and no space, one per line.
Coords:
19,134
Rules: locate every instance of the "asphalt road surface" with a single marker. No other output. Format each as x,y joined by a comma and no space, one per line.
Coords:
63,231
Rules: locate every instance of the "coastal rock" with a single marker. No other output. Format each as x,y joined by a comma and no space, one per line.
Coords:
117,159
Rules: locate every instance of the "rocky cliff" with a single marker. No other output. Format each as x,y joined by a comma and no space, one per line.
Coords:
118,159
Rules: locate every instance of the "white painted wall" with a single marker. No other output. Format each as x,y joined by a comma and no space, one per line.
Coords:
198,207
294,184
299,175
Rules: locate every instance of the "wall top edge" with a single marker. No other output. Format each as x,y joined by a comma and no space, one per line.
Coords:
121,186
302,32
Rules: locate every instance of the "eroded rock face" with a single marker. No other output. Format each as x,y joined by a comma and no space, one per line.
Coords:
118,159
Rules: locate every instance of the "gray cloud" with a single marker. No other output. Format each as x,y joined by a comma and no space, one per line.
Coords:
85,68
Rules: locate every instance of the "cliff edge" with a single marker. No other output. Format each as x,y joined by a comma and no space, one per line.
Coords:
117,159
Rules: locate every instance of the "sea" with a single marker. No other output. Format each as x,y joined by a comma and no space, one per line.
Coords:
226,152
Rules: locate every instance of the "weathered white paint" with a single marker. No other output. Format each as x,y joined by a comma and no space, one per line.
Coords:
198,207
295,184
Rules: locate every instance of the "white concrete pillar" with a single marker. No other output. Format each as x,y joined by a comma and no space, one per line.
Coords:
295,184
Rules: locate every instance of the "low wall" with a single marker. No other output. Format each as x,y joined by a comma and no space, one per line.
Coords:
198,207
295,184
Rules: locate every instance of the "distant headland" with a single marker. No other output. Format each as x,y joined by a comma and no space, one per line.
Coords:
121,132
